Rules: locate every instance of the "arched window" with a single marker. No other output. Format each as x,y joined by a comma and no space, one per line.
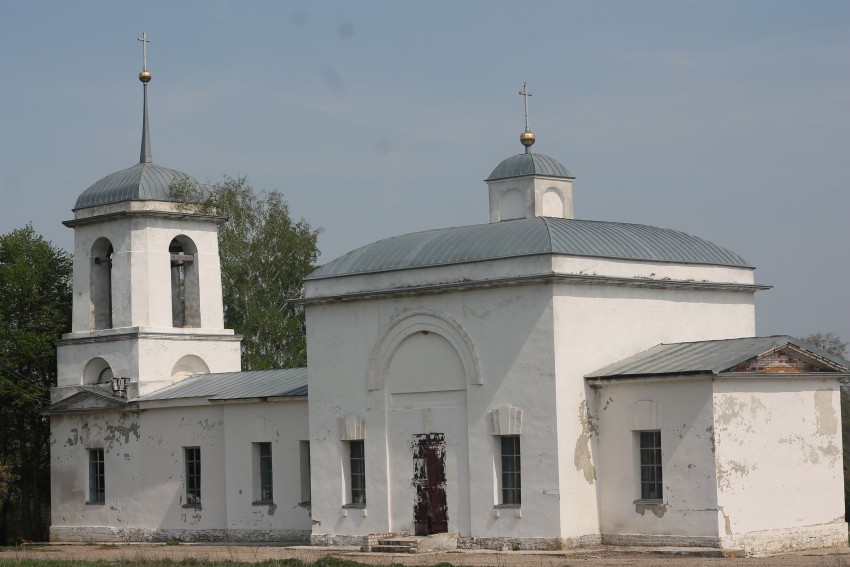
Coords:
100,279
185,295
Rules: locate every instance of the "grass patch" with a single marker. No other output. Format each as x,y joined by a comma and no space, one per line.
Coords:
328,561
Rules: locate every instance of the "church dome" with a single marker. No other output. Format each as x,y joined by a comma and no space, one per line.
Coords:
529,164
142,182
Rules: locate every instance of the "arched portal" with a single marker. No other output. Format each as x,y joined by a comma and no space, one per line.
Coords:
425,362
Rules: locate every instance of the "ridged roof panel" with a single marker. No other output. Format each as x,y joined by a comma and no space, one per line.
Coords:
278,383
702,357
526,237
529,164
141,182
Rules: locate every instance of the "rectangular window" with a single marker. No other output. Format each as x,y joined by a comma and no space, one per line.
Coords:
304,449
97,478
357,460
263,472
511,471
650,465
193,475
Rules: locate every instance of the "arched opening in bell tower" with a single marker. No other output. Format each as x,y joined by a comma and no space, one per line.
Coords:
185,293
100,278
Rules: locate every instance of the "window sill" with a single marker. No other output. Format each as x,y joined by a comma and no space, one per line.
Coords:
304,504
196,506
507,506
262,502
356,506
651,501
95,503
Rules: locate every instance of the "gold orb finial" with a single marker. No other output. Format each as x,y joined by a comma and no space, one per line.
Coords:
145,76
527,138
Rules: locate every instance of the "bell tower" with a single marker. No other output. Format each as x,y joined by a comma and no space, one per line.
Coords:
147,302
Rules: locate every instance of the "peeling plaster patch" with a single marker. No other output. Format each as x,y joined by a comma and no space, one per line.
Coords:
710,431
581,458
724,471
827,421
726,520
113,431
658,509
272,509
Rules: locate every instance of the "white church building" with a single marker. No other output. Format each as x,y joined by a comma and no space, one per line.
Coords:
538,380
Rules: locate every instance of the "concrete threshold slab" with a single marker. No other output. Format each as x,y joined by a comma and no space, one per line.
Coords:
698,551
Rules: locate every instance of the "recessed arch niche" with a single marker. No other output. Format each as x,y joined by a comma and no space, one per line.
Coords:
512,205
188,365
448,334
553,203
97,371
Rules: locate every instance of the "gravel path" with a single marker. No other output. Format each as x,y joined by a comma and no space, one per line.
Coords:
593,557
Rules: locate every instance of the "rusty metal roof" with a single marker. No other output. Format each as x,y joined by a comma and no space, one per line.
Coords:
142,182
278,383
526,237
529,164
704,357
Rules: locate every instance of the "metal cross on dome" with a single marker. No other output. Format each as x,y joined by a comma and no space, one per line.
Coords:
525,93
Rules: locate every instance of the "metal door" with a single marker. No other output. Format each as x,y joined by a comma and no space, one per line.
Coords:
430,511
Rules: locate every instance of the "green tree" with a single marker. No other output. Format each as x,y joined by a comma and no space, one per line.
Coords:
264,256
35,309
829,342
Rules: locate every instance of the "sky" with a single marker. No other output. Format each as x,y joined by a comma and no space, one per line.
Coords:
729,120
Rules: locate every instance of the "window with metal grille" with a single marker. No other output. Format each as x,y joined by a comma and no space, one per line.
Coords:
97,477
357,460
193,475
511,471
263,472
650,465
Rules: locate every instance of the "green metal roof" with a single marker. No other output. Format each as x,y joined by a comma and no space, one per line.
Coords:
529,164
141,182
527,237
278,383
704,357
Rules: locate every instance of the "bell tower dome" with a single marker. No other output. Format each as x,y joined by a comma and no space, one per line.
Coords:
147,304
530,185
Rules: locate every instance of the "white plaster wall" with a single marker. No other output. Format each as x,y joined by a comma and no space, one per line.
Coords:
532,189
118,434
779,453
542,264
145,471
514,368
147,360
284,425
599,325
684,414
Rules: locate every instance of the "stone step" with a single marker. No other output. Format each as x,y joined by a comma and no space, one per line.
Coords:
408,541
381,548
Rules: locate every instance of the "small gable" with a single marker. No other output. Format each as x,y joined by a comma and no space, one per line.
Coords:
788,358
86,401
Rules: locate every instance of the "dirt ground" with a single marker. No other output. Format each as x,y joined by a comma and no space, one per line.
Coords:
593,557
